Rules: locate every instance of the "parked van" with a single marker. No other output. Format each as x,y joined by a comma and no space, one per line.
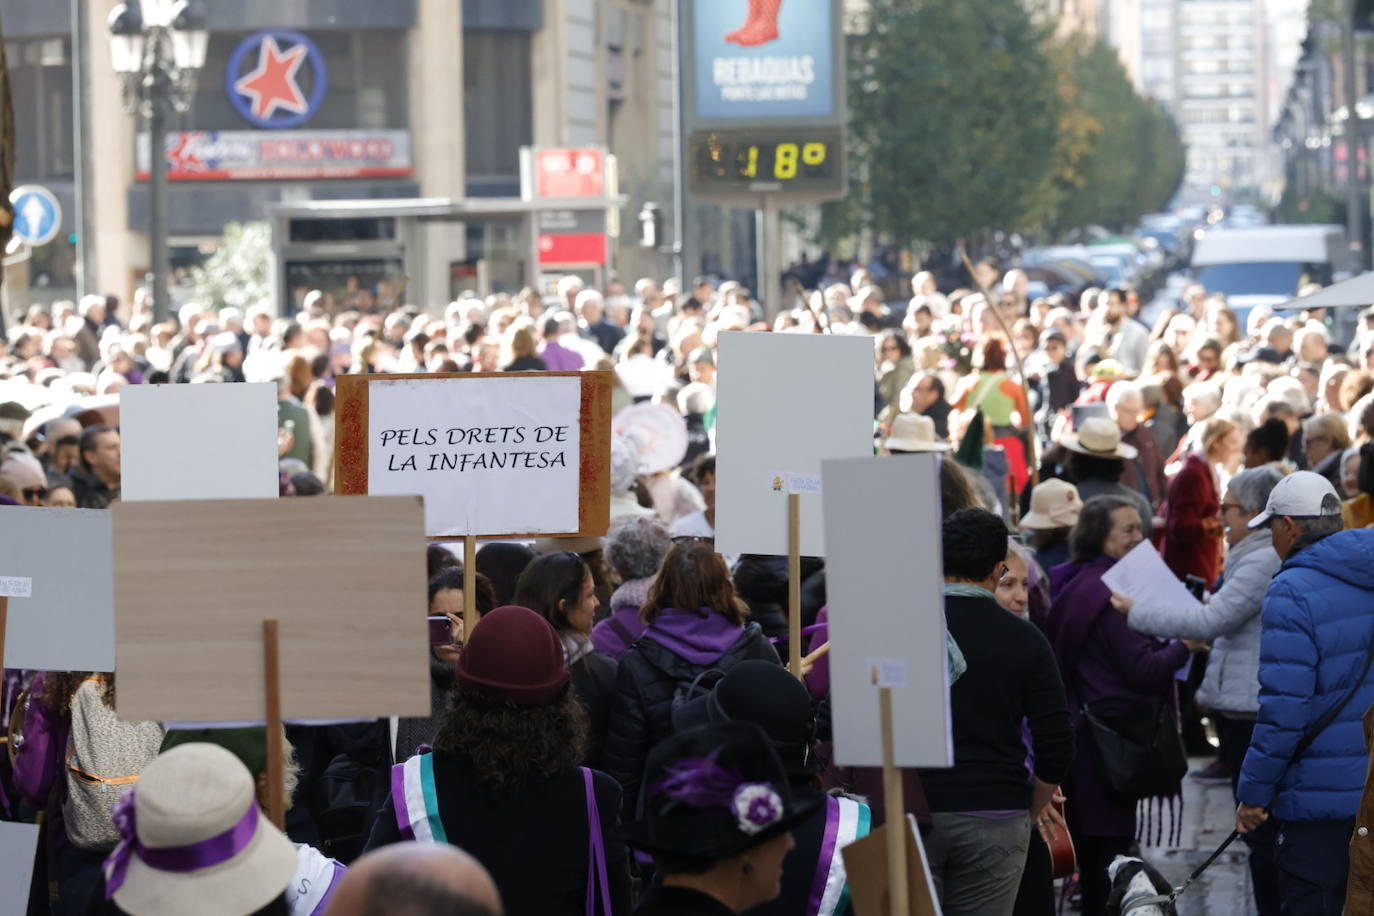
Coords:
1266,265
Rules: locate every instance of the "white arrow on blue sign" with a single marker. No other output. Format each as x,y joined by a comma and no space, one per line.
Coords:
37,214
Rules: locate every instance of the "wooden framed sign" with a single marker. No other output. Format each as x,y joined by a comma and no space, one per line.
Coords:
501,454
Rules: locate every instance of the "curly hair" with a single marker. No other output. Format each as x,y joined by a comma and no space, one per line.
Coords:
636,546
511,748
59,689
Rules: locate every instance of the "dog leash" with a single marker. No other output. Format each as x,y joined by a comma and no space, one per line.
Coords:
1169,898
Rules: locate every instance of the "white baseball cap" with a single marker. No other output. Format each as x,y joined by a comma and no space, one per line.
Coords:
1301,494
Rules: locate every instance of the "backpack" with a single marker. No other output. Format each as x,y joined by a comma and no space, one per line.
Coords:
104,757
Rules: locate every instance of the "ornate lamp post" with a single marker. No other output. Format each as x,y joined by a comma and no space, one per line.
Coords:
158,48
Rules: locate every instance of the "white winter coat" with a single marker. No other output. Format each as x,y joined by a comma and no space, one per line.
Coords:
1230,621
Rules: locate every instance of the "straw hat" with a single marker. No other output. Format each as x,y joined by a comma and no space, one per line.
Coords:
1054,503
195,841
914,432
1100,438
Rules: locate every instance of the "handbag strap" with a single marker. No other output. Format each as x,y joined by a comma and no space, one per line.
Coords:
596,848
1330,715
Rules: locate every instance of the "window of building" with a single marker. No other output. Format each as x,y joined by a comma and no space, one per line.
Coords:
367,83
40,72
498,108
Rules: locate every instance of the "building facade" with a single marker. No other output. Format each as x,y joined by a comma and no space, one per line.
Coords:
342,100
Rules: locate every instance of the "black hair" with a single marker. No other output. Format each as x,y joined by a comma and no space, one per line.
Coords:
552,326
307,484
1366,472
474,333
903,345
1270,438
549,580
975,543
1095,526
702,466
936,383
451,577
1081,467
437,559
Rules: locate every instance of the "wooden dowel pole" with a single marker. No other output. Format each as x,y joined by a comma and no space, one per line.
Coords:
276,764
469,585
4,622
996,309
794,651
821,650
894,806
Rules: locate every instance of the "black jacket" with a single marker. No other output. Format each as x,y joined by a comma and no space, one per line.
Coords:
535,844
680,901
642,709
593,677
1012,675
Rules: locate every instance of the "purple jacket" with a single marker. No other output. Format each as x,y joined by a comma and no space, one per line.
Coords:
614,635
39,760
1118,673
559,358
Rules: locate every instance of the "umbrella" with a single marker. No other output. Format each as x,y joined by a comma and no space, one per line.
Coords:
1355,291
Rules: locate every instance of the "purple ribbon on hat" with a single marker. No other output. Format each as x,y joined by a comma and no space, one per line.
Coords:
192,857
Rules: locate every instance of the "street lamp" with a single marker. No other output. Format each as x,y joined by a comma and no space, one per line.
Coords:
158,48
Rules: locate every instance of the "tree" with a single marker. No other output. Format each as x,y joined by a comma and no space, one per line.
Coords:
236,274
954,115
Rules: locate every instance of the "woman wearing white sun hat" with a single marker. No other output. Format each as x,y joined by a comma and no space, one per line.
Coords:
1097,459
913,432
1054,508
195,842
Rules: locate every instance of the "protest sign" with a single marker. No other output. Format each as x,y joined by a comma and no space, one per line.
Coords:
884,576
494,455
55,566
344,578
199,441
18,847
787,402
1143,576
868,866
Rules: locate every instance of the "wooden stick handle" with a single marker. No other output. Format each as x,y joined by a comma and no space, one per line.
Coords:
469,586
996,309
894,806
276,763
821,650
794,584
4,622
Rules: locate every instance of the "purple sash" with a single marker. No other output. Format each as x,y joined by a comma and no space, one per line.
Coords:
596,859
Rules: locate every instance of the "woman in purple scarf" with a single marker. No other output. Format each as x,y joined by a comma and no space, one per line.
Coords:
1120,675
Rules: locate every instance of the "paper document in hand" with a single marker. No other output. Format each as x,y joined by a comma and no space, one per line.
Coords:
1142,576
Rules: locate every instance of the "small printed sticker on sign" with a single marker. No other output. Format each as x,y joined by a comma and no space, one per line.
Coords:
786,482
16,587
887,672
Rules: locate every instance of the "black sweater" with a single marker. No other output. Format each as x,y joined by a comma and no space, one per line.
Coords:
1011,676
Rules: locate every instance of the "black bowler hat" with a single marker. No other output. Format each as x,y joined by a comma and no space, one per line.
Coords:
765,694
713,792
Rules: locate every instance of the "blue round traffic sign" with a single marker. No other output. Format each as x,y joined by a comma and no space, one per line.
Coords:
37,214
267,83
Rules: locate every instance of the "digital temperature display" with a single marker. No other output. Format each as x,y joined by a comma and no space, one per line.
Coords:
800,161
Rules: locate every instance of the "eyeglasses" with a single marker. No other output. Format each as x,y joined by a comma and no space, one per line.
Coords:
35,493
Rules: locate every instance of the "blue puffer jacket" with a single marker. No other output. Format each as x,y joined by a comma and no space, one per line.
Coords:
1318,621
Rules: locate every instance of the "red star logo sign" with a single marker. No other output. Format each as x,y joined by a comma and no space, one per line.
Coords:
273,84
182,157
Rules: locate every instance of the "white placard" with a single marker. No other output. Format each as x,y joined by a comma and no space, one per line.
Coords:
884,584
1144,577
787,402
489,455
68,623
18,846
16,587
199,441
786,482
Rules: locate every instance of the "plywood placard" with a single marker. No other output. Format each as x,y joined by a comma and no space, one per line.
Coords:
493,454
58,560
884,584
787,402
345,576
865,863
198,441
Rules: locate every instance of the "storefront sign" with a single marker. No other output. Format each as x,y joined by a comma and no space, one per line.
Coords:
572,237
218,155
570,173
276,80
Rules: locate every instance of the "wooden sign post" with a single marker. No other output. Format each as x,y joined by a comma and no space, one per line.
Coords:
894,811
469,586
276,765
794,651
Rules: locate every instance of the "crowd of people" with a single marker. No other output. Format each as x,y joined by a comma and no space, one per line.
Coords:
619,734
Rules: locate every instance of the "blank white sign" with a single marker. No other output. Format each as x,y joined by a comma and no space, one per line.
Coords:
787,402
18,844
67,623
884,581
198,441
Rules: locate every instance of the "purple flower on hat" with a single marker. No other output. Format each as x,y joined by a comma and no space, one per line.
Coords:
757,807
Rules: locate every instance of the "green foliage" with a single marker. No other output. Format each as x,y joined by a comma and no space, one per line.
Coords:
236,274
968,117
